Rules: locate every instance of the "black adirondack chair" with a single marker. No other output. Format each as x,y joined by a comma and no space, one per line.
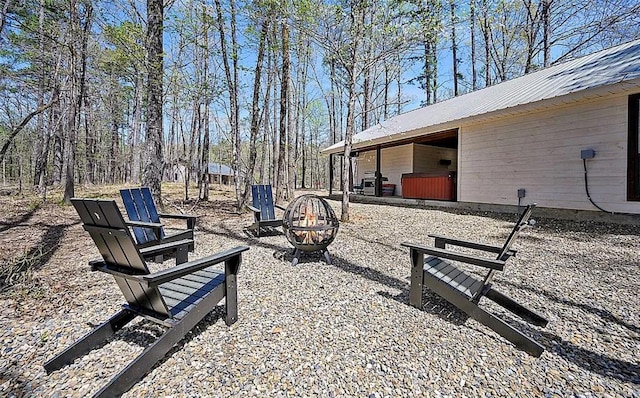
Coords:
177,298
140,207
263,209
464,290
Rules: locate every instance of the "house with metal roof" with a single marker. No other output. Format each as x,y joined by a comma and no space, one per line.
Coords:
563,137
220,174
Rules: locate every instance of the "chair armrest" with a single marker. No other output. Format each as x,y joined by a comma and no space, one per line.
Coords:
157,227
179,271
163,248
102,266
441,241
191,219
279,207
253,209
464,258
143,224
178,216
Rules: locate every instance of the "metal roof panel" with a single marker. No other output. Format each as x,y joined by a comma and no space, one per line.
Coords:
608,67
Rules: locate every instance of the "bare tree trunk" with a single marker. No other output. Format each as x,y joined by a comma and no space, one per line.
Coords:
264,172
78,89
195,121
486,34
58,144
399,89
454,47
275,138
138,97
255,108
42,133
232,84
282,193
367,80
42,180
204,193
333,125
531,30
197,163
352,74
90,146
472,20
173,151
292,134
152,173
113,148
302,109
546,26
427,71
387,84
434,71
205,154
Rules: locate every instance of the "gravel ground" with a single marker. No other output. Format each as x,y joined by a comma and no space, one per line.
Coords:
341,330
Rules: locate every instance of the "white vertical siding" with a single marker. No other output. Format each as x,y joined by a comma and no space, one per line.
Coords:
394,162
540,152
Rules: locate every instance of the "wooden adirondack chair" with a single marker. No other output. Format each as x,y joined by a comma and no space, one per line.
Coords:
263,209
177,298
464,290
140,207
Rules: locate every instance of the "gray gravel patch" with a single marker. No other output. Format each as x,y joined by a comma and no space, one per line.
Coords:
346,329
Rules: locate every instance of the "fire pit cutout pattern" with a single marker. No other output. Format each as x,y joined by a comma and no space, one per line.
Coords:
310,225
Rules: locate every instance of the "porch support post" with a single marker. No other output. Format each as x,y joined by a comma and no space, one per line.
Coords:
341,168
350,173
378,173
330,174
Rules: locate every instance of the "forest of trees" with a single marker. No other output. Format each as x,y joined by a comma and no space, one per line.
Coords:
95,92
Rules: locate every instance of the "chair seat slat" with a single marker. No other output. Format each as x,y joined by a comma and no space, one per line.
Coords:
185,290
189,281
200,276
455,277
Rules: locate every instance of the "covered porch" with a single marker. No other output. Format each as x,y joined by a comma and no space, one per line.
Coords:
423,167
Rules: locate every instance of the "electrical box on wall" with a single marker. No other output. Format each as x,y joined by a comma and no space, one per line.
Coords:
587,154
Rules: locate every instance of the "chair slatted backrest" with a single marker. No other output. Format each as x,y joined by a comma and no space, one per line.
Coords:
263,200
138,202
522,222
150,205
104,222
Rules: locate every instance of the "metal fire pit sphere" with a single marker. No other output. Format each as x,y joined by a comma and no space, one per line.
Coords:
310,224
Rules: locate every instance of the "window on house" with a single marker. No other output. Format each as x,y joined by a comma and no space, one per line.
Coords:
633,168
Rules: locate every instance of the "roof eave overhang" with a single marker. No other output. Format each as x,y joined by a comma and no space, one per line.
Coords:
621,87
